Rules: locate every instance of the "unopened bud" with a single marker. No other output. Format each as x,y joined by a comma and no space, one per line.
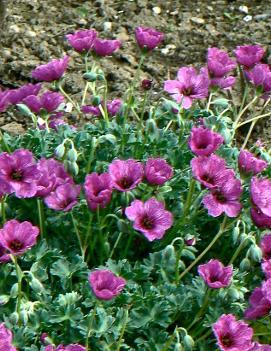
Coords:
24,317
188,343
14,291
255,253
4,299
146,84
190,240
72,167
90,76
168,252
72,155
60,151
245,264
95,100
24,110
36,285
14,318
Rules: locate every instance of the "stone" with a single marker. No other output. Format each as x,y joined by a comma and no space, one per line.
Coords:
197,20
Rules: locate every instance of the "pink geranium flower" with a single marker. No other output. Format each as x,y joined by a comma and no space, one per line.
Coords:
219,63
126,174
72,347
249,164
203,141
19,173
105,284
105,47
6,339
16,237
82,40
64,198
4,100
260,219
261,347
265,246
148,38
215,275
150,218
17,95
223,83
158,171
189,86
98,190
232,335
51,71
249,55
259,305
49,101
224,198
260,191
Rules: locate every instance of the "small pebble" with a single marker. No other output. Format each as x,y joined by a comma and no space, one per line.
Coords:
156,10
107,26
247,18
197,20
243,9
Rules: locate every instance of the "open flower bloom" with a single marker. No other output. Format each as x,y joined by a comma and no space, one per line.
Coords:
260,191
261,347
260,76
51,174
249,55
19,173
16,237
105,284
6,339
4,100
259,305
203,141
113,107
150,218
49,101
265,246
64,198
210,170
224,198
51,71
105,47
260,219
249,164
189,86
126,174
17,95
72,347
82,40
219,63
223,82
98,190
158,171
215,274
232,335
266,268
148,38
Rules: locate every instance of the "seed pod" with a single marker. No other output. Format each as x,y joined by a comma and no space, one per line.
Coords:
24,110
24,317
14,291
60,151
72,155
245,264
188,343
36,285
96,100
14,318
72,167
90,76
255,253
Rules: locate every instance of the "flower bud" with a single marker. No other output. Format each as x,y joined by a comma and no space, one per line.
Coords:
235,234
4,299
95,100
190,240
151,126
14,291
146,84
14,318
72,155
245,264
188,343
233,294
60,151
178,347
24,317
122,226
24,110
168,253
72,167
255,253
90,76
36,285
100,76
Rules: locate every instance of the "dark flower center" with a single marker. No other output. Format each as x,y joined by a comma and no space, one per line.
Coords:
125,182
17,175
147,223
202,145
15,245
214,279
187,91
220,197
227,340
208,179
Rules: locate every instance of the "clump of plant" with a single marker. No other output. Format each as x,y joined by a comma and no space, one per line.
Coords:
147,228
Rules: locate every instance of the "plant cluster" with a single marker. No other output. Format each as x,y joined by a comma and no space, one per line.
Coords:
146,229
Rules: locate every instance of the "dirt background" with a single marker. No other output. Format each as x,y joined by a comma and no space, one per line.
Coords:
34,30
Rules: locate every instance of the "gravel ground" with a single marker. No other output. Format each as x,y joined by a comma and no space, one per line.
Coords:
33,33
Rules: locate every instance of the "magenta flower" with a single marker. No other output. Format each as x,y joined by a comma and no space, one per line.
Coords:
98,190
48,101
17,95
6,339
260,347
51,174
150,218
51,71
113,107
259,305
224,198
265,246
104,47
260,76
4,100
64,198
210,171
249,164
18,237
203,141
219,63
72,347
266,268
4,256
223,83
82,40
249,55
105,284
232,335
148,38
259,219
215,275
266,289
158,171
92,110
126,174
189,86
19,172
260,191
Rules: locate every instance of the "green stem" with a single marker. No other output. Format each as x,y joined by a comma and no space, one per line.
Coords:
201,310
3,210
253,119
41,217
90,329
19,274
116,244
129,241
126,317
88,233
205,335
235,125
7,148
143,108
189,197
69,98
238,250
78,235
209,101
218,235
